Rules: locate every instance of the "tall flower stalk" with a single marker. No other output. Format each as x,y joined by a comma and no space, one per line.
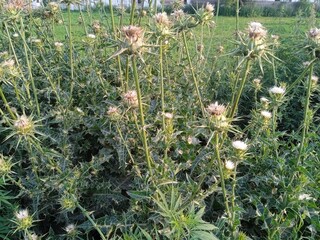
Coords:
306,118
195,81
239,91
141,113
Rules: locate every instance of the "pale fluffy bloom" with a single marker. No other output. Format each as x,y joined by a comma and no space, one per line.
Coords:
277,90
229,165
264,100
266,114
305,196
58,44
257,31
8,63
209,7
22,214
70,228
162,19
314,34
92,36
314,78
131,98
239,145
168,115
216,109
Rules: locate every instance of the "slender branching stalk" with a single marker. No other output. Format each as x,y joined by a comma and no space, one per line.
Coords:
195,81
221,173
240,90
70,52
133,9
162,92
6,104
143,126
34,89
306,120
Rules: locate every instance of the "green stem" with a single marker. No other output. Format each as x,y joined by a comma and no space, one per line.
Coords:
86,214
233,197
220,165
29,67
133,8
143,130
306,121
70,52
6,104
192,72
162,94
239,92
218,8
237,18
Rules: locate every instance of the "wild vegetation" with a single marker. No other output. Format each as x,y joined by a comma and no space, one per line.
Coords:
144,124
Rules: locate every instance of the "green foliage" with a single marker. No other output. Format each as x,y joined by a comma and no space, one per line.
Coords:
173,128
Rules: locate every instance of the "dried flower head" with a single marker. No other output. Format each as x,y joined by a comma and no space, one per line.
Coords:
216,109
130,98
8,64
24,125
314,35
229,165
13,7
113,113
257,31
257,83
209,7
54,7
162,19
133,37
178,14
96,26
239,145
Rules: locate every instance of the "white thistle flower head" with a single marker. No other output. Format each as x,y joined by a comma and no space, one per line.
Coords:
113,113
209,7
8,64
314,78
314,35
130,98
54,6
264,100
91,36
178,14
305,196
22,214
133,36
216,109
24,125
58,44
239,145
257,31
70,228
168,115
229,165
162,19
33,236
15,35
266,114
277,90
